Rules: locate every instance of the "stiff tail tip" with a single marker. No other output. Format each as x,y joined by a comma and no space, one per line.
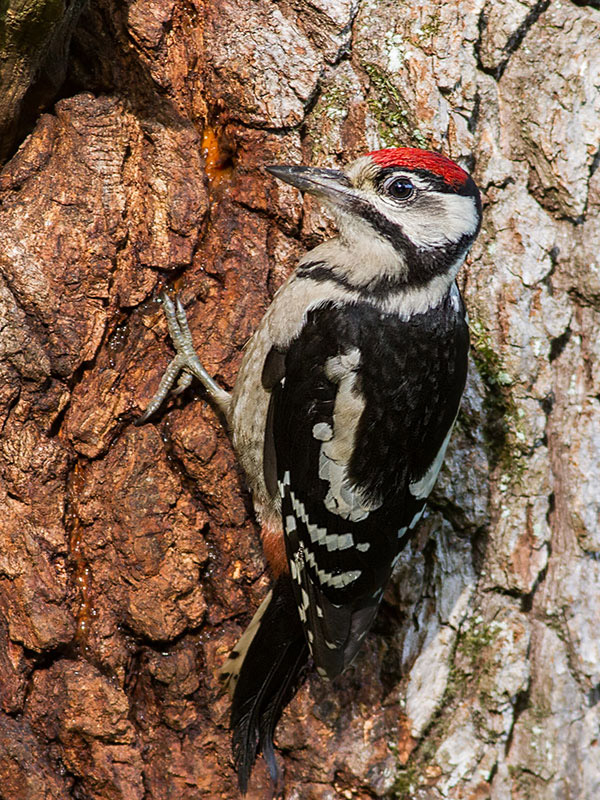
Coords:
230,671
263,673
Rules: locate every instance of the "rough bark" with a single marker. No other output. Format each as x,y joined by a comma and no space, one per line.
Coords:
129,559
34,42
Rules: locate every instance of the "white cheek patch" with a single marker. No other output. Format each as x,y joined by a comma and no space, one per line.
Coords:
359,254
434,219
460,216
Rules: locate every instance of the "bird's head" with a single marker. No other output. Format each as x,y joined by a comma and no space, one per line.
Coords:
418,202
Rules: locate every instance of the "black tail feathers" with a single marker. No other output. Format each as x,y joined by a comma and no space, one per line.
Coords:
270,665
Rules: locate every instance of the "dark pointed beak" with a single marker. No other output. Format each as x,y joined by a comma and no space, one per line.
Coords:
327,184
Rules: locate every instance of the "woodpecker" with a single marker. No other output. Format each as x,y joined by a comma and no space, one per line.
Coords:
340,416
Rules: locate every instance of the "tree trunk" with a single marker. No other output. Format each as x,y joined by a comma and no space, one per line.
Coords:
34,40
129,558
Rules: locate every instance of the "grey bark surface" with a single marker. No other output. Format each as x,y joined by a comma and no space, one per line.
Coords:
129,559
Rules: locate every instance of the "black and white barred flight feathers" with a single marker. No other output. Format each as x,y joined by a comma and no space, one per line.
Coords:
341,414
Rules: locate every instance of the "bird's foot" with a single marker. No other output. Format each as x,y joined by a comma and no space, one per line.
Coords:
186,364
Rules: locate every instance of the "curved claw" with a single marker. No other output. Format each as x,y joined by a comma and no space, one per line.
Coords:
185,364
184,380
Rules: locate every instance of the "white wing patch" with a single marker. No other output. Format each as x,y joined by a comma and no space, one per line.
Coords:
290,524
322,431
285,482
336,451
332,541
455,297
325,578
416,518
329,579
421,488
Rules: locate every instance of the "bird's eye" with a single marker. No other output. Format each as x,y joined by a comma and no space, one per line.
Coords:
400,188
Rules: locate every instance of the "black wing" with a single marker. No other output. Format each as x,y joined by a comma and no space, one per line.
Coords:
361,411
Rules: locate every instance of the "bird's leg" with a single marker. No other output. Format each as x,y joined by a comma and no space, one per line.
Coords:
185,365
